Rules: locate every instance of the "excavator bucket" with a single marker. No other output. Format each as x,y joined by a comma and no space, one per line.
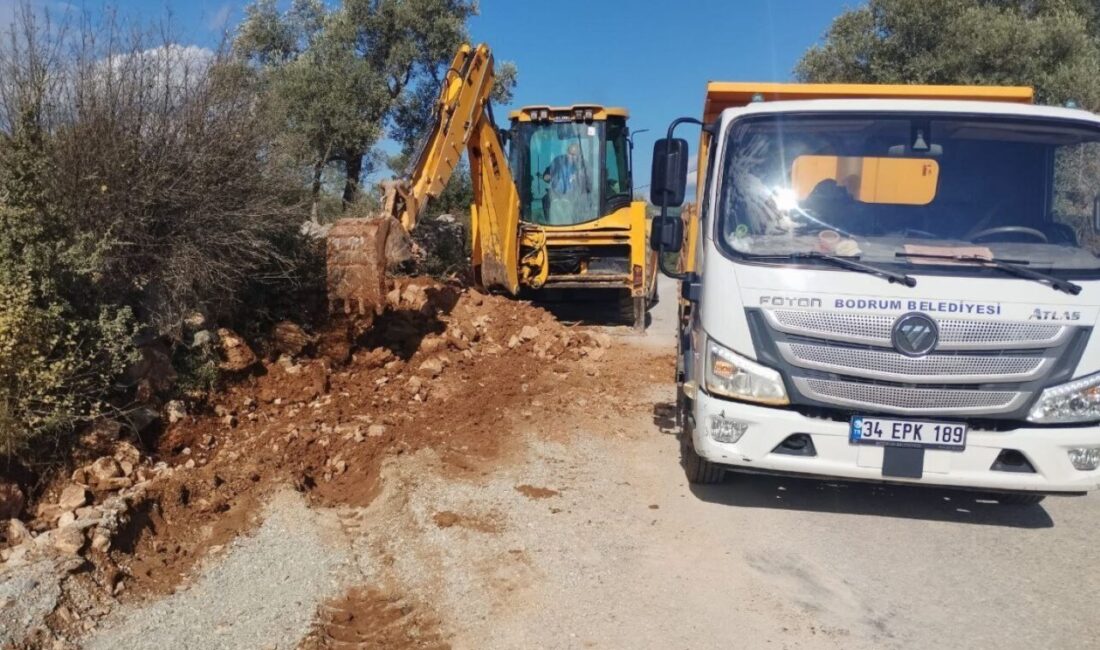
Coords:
358,252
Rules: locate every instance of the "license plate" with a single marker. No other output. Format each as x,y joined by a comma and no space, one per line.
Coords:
907,433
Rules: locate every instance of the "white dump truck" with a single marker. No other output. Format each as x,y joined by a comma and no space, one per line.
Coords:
888,283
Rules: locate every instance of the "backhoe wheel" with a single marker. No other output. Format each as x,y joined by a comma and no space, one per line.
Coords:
699,470
632,310
1019,499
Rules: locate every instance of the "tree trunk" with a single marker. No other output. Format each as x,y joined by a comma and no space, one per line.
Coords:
353,161
315,192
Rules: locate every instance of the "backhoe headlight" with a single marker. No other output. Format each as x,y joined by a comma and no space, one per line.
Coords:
732,375
1075,401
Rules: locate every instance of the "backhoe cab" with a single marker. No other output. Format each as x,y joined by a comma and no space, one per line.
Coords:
572,167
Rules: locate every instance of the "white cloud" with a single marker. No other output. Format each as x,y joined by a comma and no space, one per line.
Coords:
168,71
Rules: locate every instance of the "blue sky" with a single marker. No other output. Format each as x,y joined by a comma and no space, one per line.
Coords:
651,56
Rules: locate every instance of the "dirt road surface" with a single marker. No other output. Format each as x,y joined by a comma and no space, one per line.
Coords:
590,537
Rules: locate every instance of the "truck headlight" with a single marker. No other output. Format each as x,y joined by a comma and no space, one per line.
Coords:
1075,401
732,375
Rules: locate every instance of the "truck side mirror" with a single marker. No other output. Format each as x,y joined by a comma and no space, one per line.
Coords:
669,174
667,234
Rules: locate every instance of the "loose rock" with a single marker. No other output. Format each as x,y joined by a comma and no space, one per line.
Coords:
68,540
72,497
102,470
204,338
290,338
175,411
16,532
101,541
432,368
127,453
235,351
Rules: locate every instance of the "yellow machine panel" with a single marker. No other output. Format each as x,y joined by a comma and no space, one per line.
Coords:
726,94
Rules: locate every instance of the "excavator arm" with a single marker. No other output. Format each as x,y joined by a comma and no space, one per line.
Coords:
359,249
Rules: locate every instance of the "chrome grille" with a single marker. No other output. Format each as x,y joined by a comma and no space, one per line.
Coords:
932,369
875,330
902,399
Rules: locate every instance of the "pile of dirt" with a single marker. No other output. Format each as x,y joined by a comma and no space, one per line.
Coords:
443,367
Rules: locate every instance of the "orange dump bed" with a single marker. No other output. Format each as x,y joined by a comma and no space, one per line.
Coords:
723,94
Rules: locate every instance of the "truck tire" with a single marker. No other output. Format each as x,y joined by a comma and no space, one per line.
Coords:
1019,499
699,470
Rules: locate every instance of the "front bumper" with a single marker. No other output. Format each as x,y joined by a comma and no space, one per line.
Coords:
1045,448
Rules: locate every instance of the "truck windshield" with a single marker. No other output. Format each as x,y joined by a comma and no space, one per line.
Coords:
557,168
930,188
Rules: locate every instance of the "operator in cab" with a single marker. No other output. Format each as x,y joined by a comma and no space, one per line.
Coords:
566,172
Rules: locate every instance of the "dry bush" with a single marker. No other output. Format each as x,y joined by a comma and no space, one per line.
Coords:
136,187
162,150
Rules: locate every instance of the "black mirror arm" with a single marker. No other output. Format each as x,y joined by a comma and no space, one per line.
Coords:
661,263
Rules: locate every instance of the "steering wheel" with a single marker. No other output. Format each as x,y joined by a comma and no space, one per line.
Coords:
1009,230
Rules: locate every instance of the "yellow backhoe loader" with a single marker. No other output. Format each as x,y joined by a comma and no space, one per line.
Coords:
553,201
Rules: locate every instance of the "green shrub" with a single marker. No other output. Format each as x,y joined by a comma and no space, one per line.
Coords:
56,366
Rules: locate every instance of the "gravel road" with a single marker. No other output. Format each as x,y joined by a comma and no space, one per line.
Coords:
593,539
636,558
261,592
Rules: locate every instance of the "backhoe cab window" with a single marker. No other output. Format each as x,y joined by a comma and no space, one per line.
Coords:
557,167
617,162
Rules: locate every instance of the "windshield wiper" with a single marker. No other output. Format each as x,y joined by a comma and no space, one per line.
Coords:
1008,266
849,263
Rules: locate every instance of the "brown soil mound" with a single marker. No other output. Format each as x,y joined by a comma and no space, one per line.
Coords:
444,368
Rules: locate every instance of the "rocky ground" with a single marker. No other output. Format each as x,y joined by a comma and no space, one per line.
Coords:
443,369
480,475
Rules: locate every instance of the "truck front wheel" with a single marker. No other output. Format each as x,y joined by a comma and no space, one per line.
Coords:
699,470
